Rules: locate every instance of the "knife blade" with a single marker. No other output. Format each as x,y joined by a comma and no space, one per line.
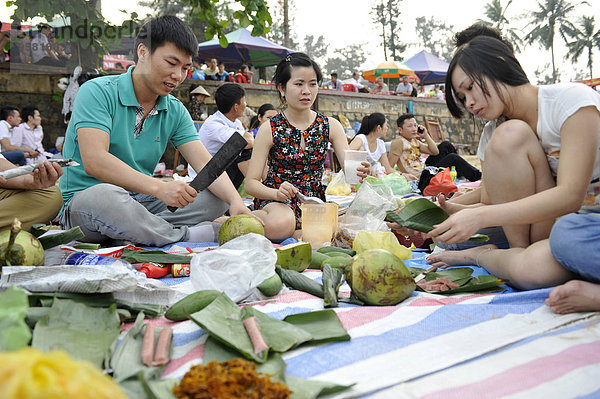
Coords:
422,275
218,163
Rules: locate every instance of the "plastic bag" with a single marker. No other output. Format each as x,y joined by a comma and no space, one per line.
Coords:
338,185
366,213
236,267
365,240
440,183
395,181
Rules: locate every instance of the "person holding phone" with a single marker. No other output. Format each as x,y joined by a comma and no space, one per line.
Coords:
414,140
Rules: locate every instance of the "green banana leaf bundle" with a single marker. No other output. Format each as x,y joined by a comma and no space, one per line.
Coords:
148,255
14,332
421,215
463,277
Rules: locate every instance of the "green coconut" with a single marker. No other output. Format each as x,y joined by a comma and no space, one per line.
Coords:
239,225
20,248
271,286
296,256
378,277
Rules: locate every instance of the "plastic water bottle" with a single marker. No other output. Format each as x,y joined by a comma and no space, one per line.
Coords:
57,256
453,173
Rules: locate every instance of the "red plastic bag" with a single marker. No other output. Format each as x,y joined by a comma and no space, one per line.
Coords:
440,183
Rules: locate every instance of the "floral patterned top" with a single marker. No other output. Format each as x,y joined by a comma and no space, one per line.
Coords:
287,161
410,153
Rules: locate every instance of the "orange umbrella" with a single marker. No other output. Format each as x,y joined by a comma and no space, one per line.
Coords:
390,71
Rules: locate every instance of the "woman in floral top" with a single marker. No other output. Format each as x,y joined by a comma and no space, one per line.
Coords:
293,145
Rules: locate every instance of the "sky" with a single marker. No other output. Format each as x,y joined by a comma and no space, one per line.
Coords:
344,22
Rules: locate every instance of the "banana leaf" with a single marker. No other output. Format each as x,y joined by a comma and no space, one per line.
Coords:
463,277
275,366
323,325
298,281
85,333
147,255
65,237
14,332
421,215
332,279
222,319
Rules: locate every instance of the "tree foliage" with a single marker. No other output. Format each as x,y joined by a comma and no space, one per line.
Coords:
551,15
346,61
386,13
584,37
435,36
315,47
496,14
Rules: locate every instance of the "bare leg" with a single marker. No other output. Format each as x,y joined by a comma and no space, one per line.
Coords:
524,268
516,167
279,220
575,296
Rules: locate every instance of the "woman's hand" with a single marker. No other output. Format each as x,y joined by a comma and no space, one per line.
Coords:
364,171
459,226
286,190
450,207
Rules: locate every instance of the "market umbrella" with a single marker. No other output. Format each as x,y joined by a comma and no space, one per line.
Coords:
390,71
243,48
430,68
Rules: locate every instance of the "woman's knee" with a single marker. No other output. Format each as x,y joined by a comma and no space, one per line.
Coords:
508,138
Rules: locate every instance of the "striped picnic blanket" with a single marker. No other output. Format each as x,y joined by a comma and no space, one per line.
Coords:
487,345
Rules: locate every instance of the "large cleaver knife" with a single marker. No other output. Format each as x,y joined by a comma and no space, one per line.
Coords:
218,163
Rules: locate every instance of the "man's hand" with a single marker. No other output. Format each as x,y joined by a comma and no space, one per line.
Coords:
30,153
177,193
46,175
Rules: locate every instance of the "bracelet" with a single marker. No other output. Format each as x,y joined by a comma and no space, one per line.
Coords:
481,253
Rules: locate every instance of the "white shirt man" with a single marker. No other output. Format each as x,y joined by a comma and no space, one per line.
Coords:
355,80
404,88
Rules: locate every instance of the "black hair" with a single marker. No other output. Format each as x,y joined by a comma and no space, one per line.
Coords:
479,29
484,57
68,116
244,66
370,122
402,118
334,74
264,108
163,29
26,112
283,72
7,111
228,95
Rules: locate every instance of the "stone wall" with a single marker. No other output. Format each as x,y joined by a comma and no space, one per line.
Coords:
40,89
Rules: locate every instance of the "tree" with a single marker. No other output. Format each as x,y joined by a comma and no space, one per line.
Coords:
349,60
280,32
496,14
586,37
386,14
90,34
316,48
435,36
551,15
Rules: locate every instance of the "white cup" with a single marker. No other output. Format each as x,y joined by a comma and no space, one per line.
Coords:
352,161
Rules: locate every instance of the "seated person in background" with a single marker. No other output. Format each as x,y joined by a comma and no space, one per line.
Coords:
9,119
265,112
41,49
197,71
368,138
405,151
198,110
415,90
404,88
243,75
222,74
380,87
211,71
32,198
119,130
355,81
334,83
30,134
218,128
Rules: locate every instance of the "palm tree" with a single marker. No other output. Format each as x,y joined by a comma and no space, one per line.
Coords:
552,14
496,14
584,39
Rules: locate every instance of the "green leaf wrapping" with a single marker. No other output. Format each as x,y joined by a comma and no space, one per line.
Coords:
147,255
421,215
332,277
65,237
14,332
298,281
462,277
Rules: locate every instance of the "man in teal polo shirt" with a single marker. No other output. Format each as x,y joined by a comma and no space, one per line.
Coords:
118,132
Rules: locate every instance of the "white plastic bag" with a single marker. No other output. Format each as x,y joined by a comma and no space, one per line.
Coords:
236,267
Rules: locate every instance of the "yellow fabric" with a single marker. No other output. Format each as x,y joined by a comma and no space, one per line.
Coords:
29,206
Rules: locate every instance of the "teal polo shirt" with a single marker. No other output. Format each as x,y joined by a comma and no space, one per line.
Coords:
108,103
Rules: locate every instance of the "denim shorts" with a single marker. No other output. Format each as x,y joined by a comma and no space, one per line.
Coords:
575,243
